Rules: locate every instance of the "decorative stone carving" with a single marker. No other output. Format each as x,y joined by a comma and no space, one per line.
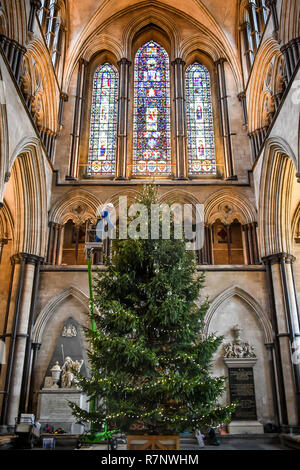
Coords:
55,371
268,108
68,369
69,331
269,76
48,383
226,213
238,348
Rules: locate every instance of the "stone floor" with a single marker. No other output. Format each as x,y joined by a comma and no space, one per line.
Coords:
232,444
188,443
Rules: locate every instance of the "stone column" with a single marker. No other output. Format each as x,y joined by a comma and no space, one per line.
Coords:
35,5
285,321
4,335
245,28
272,4
55,241
51,25
77,122
14,53
224,119
250,243
50,242
272,368
59,246
251,7
256,259
3,241
246,247
18,320
63,99
48,138
291,52
180,119
262,15
204,256
35,349
122,130
242,98
28,348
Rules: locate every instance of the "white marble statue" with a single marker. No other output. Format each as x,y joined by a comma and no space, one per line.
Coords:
68,380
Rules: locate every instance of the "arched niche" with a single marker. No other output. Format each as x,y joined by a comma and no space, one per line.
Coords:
70,302
236,306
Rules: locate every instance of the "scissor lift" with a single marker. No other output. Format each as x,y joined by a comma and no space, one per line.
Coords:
90,246
90,239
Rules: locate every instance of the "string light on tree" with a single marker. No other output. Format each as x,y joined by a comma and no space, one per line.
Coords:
151,362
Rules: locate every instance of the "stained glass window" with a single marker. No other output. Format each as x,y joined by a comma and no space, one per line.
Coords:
103,127
200,126
152,148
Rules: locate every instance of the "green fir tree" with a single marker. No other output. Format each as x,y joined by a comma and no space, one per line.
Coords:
150,362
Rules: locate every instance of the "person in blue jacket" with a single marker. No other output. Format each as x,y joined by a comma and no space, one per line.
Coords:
102,219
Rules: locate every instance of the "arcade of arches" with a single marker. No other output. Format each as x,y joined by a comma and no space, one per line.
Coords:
200,98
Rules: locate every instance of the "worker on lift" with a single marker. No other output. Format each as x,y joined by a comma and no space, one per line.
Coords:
103,218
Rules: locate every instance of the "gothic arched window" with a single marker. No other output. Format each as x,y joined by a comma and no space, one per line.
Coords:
200,127
103,127
152,143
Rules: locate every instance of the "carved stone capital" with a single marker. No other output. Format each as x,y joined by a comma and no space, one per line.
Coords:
178,61
278,258
124,61
64,97
29,258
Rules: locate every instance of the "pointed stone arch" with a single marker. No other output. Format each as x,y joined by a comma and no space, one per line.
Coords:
101,43
159,13
28,179
131,194
6,222
4,140
289,20
199,43
268,52
154,16
240,207
276,186
296,221
67,207
255,307
182,197
16,20
48,311
43,84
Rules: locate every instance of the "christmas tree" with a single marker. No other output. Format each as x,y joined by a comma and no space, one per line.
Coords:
150,363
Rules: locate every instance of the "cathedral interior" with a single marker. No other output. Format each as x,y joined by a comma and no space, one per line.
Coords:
200,98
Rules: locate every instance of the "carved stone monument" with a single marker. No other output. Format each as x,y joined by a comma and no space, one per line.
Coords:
53,406
60,385
240,358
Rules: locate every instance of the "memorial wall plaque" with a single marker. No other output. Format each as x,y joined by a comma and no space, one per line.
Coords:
241,386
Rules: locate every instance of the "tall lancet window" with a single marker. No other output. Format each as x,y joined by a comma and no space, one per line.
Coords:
152,145
103,127
200,126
